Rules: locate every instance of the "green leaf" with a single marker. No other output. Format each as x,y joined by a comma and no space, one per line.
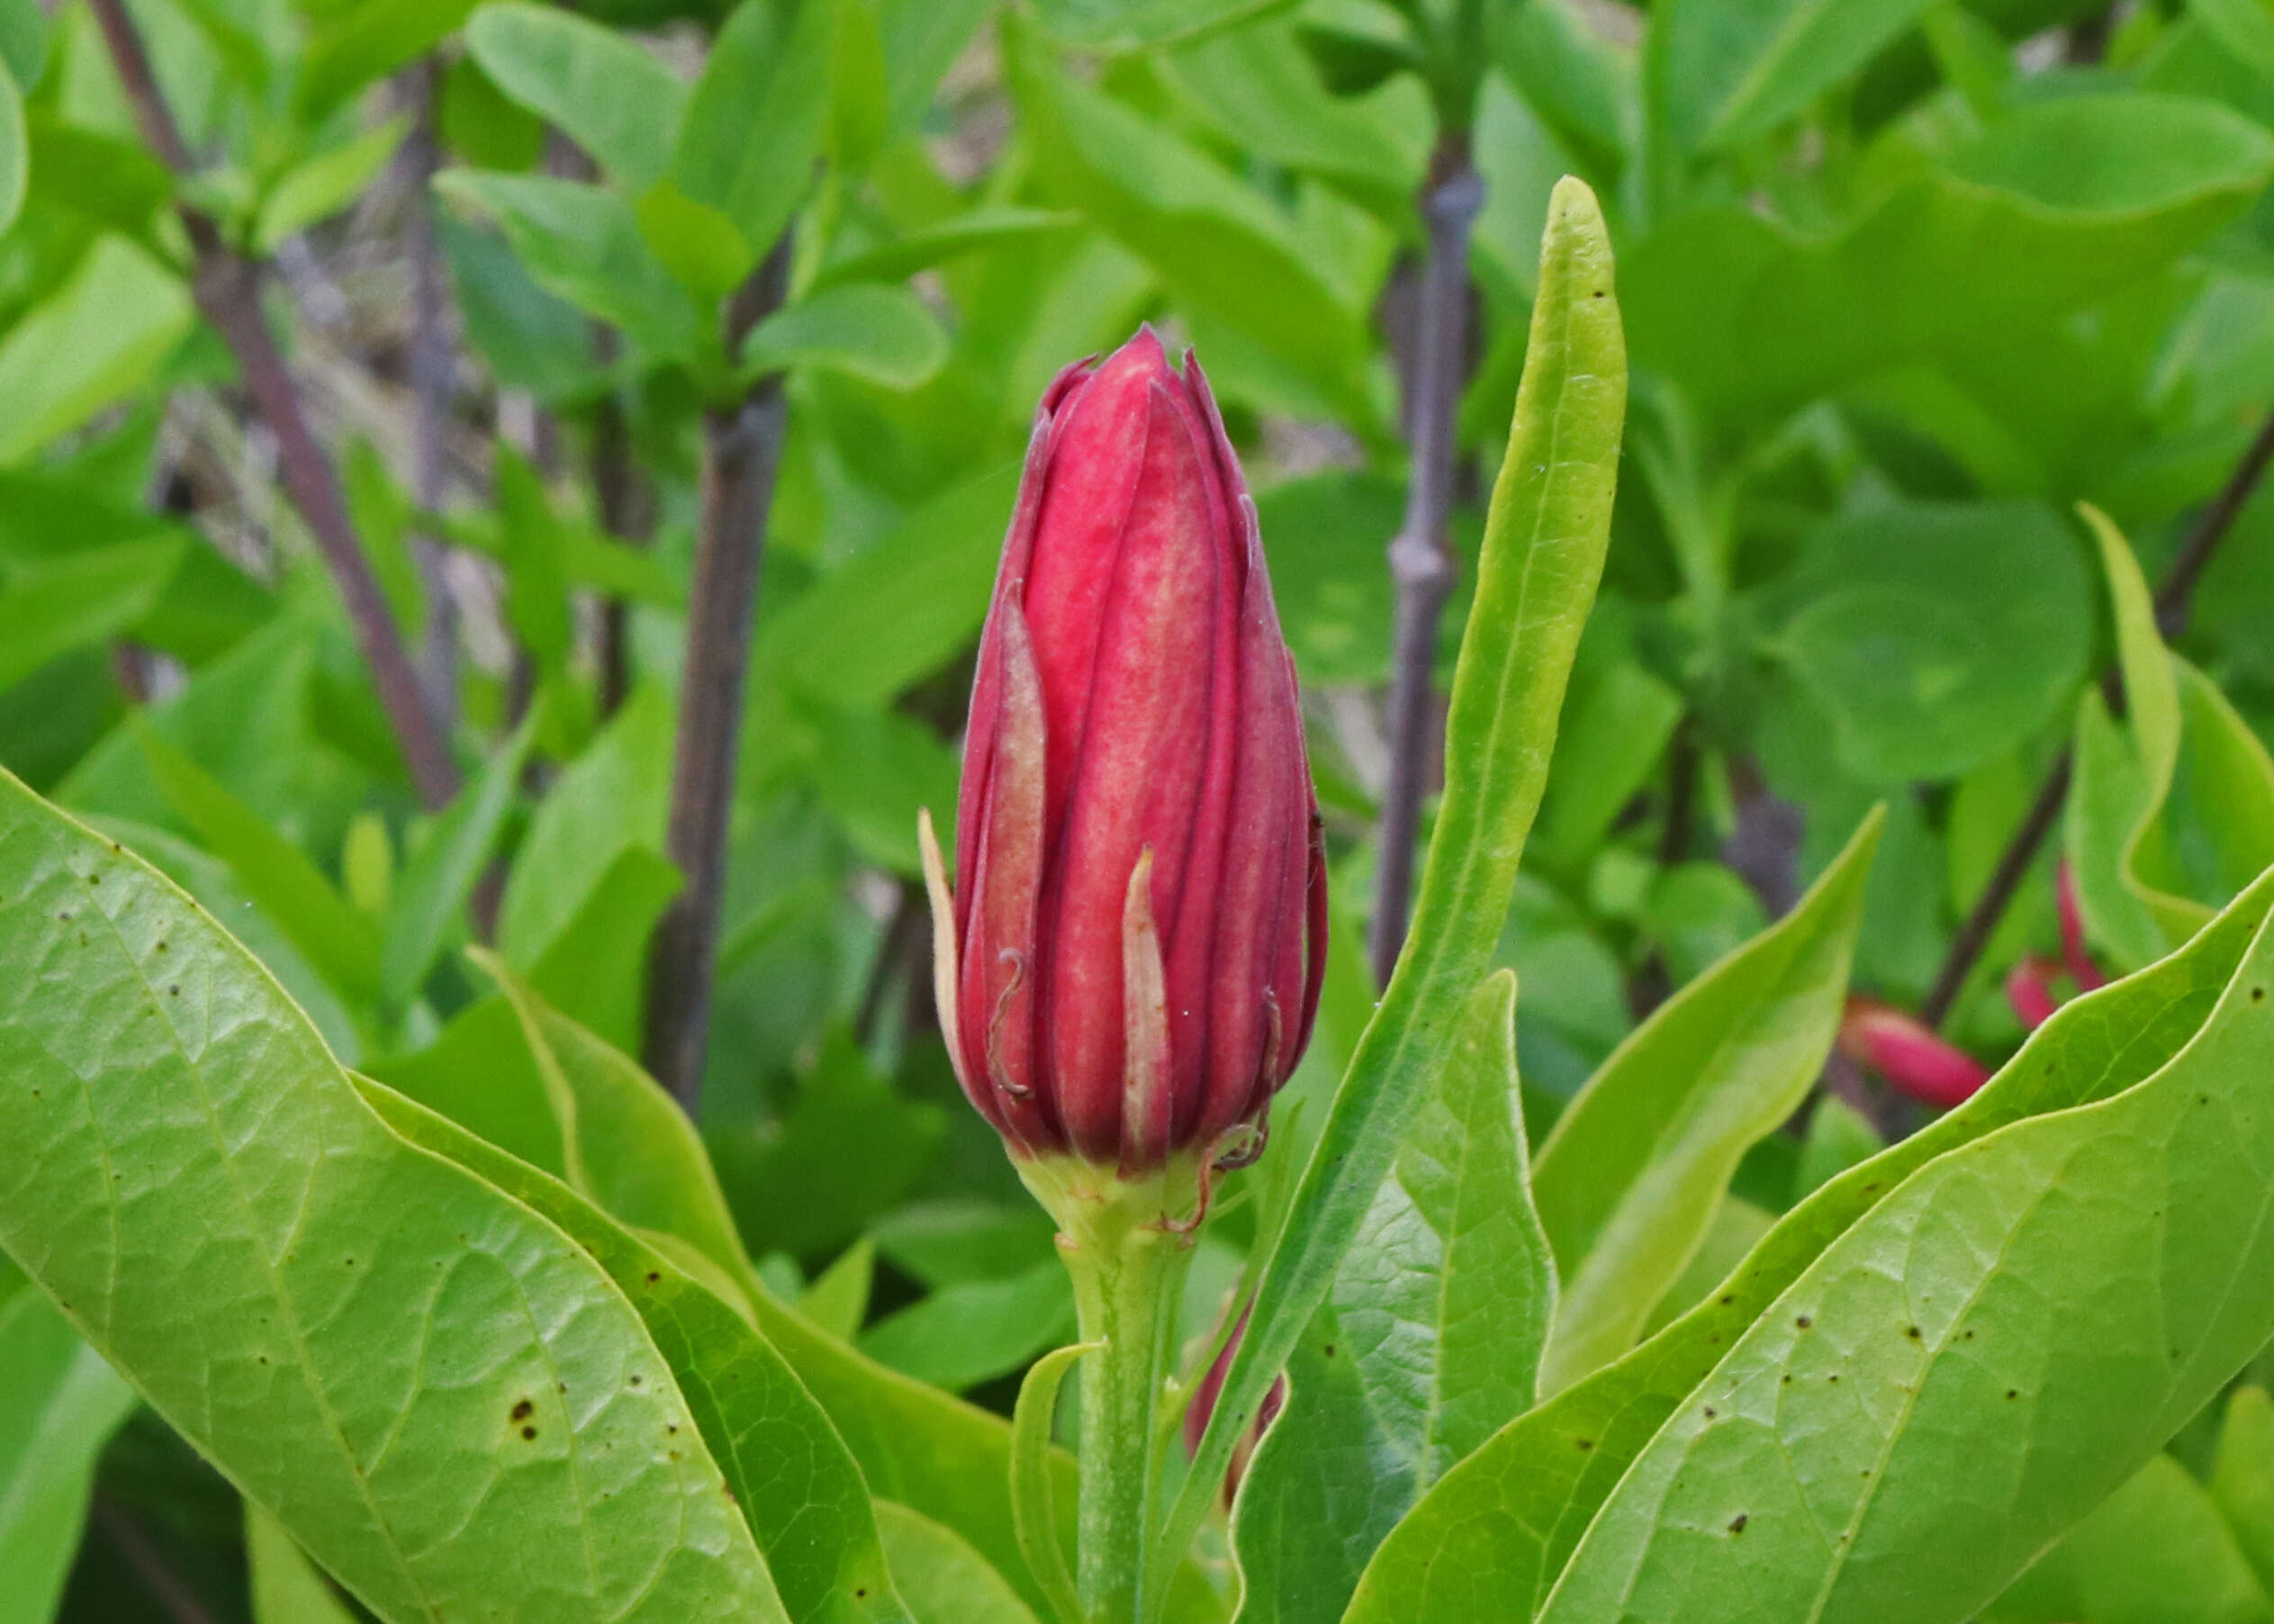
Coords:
928,578
1938,636
319,187
58,1405
344,1325
697,243
2038,1310
1133,24
1754,318
444,865
95,341
602,89
89,598
1034,1502
532,338
15,142
974,232
286,1587
1224,249
1429,1343
584,244
788,1474
1618,727
976,1331
1721,74
626,1145
1492,1537
867,330
952,1583
2156,1551
336,940
1638,1163
1543,545
364,42
860,94
2242,1477
1838,1138
838,1299
753,132
23,41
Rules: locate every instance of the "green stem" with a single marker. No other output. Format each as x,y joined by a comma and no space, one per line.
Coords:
1127,1259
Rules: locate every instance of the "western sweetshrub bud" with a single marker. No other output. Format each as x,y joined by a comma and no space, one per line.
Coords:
1131,962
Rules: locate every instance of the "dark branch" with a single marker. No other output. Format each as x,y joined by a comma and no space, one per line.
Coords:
741,448
2174,602
1420,556
227,287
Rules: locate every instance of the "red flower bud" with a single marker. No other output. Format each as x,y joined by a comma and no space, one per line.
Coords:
2029,990
1909,1055
1132,961
1202,1409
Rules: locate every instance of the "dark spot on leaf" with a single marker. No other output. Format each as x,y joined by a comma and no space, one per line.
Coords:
2013,1392
1584,1443
636,1379
1912,1332
529,1432
1788,1379
524,1410
1833,1378
1737,1523
1727,1301
670,1430
1803,1322
1709,1412
95,880
162,947
2258,994
653,1277
1329,1350
66,918
859,1593
173,991
674,1454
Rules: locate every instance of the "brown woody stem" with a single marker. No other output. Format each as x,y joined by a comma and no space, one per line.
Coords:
1422,557
227,287
742,446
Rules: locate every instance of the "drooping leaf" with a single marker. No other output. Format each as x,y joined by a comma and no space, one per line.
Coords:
603,91
1638,1163
1495,1535
95,341
1033,1491
393,1358
949,1582
59,1403
867,330
1719,74
319,187
1543,545
1431,1340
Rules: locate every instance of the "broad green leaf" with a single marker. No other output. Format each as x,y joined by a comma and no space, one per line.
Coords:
584,244
1225,252
1938,636
482,124
962,1335
867,330
838,1299
928,578
1638,1163
1577,83
789,1475
974,232
366,41
600,87
95,341
1323,537
922,40
428,1384
1431,1340
16,143
755,121
1493,1535
1838,1138
696,242
1754,318
537,589
319,187
286,1587
51,608
340,942
58,1404
2107,801
626,1144
445,863
1544,544
2033,1314
859,96
2156,1551
1133,24
1034,1502
1618,727
2243,1478
608,801
532,338
948,1242
951,1582
23,41
1720,73
2245,27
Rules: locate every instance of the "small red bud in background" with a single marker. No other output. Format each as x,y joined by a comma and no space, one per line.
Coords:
1909,1056
1204,1406
2029,990
1131,962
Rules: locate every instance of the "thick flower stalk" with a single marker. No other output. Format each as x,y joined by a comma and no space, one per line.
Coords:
1130,964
